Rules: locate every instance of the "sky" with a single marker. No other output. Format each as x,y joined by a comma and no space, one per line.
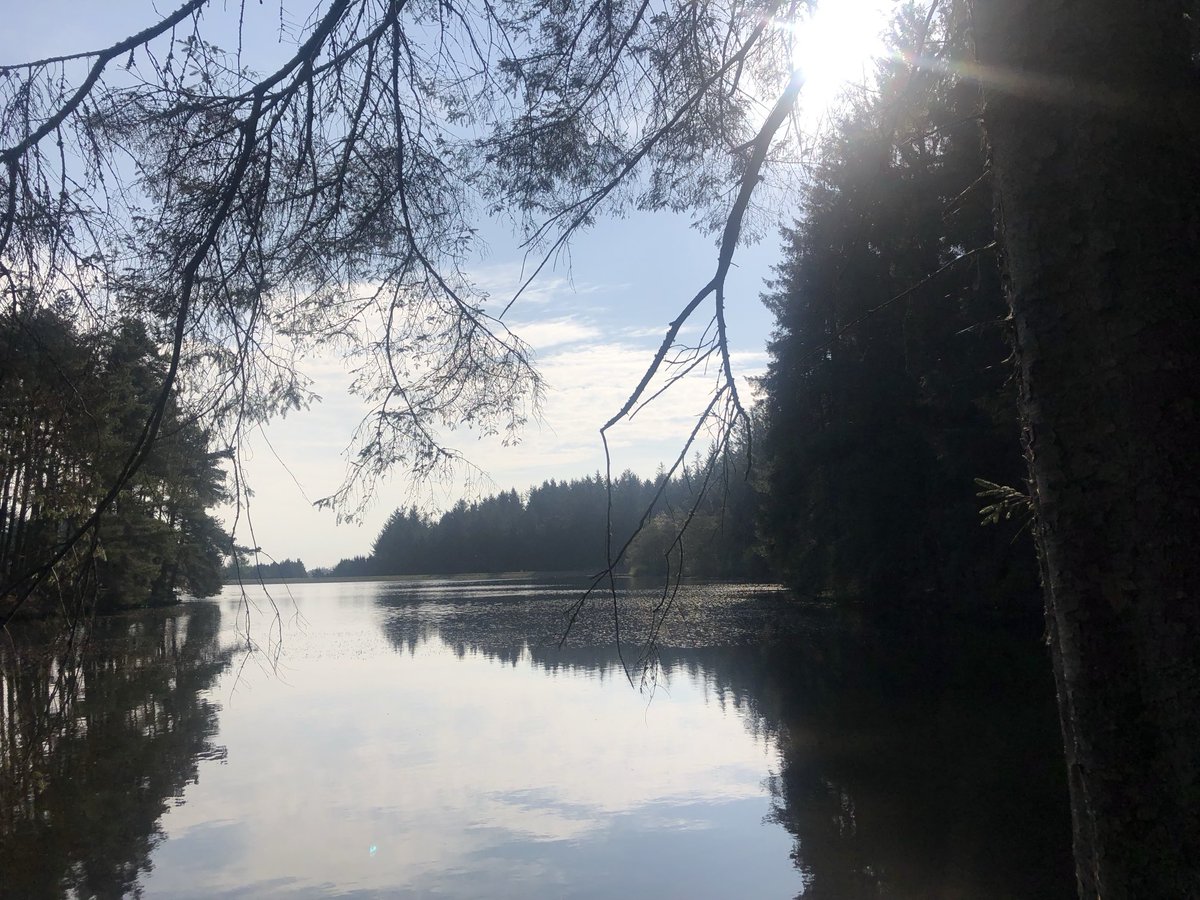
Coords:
593,327
594,320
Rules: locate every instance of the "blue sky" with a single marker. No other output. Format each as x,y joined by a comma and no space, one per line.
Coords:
594,319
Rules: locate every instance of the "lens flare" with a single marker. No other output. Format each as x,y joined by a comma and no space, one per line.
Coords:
834,46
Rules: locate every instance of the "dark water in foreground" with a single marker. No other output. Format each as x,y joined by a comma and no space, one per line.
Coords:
429,739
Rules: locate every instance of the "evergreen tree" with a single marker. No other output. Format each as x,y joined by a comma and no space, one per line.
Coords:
1096,163
73,402
886,392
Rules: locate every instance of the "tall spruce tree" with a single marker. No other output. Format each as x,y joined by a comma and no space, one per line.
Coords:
886,392
1092,118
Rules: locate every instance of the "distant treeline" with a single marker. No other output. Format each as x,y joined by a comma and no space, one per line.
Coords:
560,526
246,570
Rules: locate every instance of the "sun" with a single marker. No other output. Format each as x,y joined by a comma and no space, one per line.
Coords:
834,46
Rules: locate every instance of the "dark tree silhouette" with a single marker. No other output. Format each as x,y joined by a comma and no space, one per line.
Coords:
70,403
559,526
887,394
1092,116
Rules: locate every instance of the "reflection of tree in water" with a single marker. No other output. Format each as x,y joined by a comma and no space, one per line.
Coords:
921,765
504,620
92,753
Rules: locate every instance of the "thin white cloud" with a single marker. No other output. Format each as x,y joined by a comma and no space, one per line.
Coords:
555,332
656,331
502,280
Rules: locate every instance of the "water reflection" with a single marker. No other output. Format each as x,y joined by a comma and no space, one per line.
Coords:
925,765
433,739
442,771
95,746
922,768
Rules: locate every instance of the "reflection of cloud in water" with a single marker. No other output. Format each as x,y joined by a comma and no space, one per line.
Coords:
471,773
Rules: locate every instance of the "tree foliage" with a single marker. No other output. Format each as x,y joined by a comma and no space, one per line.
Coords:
72,402
887,393
249,567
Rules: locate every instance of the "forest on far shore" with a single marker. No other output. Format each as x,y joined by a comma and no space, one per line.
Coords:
559,526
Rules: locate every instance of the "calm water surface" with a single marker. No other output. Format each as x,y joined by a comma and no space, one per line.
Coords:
430,739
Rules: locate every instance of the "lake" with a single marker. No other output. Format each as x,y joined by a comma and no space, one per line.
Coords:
431,738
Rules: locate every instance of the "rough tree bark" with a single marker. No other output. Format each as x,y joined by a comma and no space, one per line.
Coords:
1092,116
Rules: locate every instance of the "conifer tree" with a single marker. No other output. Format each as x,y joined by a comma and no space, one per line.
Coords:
887,393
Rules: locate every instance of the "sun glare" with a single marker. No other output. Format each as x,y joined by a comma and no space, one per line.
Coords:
834,46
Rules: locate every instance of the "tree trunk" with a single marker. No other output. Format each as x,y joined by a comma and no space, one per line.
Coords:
1092,116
